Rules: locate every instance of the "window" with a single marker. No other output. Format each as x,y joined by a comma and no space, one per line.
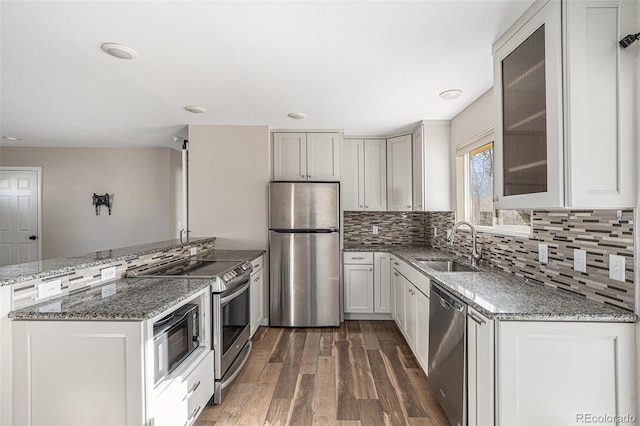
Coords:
475,195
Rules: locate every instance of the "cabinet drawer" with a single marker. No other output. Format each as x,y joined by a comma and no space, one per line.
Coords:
358,258
178,400
257,263
417,278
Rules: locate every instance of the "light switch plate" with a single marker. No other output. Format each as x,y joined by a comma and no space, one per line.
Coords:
435,231
616,267
543,253
374,230
194,251
580,260
50,288
107,274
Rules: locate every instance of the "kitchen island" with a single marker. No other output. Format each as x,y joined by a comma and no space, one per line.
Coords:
535,354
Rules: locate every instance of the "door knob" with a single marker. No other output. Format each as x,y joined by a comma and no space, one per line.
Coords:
33,237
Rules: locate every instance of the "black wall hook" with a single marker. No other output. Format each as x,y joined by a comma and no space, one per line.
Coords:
628,40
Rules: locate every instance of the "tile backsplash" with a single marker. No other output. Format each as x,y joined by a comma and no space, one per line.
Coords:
599,232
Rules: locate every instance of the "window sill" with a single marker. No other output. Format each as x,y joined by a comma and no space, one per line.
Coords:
508,231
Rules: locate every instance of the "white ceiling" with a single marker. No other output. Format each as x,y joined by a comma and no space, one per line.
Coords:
370,68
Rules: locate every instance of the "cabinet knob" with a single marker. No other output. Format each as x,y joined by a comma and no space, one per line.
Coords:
370,269
408,207
301,175
366,207
495,199
360,205
308,176
396,274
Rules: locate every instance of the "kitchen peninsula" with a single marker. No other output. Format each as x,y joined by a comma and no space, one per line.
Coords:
85,355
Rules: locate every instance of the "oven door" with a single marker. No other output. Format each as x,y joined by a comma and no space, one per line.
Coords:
231,330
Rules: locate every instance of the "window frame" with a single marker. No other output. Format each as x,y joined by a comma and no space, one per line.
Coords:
463,195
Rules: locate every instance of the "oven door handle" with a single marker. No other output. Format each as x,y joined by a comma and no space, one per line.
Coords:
227,299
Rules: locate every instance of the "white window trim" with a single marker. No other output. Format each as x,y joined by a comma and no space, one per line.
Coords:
462,150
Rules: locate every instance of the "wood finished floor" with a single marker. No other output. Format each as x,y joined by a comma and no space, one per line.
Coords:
362,373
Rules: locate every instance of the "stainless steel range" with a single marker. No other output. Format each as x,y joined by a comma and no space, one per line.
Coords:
231,310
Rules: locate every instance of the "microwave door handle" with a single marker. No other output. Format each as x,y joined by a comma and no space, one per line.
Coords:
171,324
226,299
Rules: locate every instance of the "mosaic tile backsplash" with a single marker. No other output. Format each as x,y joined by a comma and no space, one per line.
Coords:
598,232
26,293
394,228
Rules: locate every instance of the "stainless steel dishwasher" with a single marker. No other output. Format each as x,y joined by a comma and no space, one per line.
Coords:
447,353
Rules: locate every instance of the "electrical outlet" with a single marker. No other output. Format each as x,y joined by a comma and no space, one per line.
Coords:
616,267
194,251
579,260
108,273
435,231
374,230
108,290
449,231
543,253
50,288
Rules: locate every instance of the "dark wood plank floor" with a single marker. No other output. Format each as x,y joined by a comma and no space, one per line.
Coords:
362,373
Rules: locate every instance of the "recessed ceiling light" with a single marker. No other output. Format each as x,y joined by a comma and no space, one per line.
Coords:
118,50
297,115
11,138
195,109
450,94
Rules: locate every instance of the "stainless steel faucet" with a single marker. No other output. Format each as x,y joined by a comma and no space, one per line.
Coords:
475,253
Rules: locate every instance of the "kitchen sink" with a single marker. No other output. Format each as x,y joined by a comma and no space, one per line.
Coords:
446,265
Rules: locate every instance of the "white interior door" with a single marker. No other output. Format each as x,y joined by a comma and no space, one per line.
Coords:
19,215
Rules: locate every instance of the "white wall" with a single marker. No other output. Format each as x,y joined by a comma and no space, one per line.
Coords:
138,178
228,182
470,122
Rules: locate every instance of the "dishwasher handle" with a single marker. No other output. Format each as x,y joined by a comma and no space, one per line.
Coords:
448,301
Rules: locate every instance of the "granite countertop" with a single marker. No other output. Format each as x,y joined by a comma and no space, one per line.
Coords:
503,296
127,299
13,274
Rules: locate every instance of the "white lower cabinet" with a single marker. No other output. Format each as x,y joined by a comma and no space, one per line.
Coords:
421,344
367,283
480,369
411,290
102,373
560,373
358,288
257,293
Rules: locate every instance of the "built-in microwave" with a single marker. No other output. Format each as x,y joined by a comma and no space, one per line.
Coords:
175,337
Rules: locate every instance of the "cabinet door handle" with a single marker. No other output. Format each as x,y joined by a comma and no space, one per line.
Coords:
495,199
396,263
370,269
408,207
480,321
360,205
396,274
359,258
366,207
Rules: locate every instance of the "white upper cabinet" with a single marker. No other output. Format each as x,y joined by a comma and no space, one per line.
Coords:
528,150
323,156
564,93
599,102
306,156
399,174
432,166
364,175
290,156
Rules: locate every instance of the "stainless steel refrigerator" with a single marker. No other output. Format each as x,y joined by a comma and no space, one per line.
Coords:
304,252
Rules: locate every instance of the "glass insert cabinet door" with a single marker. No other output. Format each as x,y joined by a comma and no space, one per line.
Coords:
528,96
